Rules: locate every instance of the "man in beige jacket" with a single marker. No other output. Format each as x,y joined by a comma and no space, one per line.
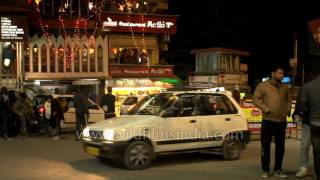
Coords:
273,98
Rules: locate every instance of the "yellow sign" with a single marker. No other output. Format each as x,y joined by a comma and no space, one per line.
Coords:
93,151
254,115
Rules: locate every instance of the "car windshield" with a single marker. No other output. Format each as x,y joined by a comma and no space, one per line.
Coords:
152,104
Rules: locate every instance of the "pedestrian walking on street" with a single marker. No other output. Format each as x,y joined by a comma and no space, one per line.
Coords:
13,124
56,117
302,117
81,105
108,104
22,108
273,98
310,100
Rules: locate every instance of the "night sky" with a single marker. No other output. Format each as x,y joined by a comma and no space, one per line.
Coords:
264,28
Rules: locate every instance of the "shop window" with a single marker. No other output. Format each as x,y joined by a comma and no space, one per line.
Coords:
60,59
44,59
92,59
53,52
100,59
68,59
85,59
26,58
35,50
129,56
76,60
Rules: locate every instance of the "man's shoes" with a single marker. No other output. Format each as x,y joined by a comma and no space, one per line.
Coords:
303,172
280,174
265,175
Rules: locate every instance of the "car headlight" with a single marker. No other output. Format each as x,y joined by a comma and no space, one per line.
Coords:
108,134
85,133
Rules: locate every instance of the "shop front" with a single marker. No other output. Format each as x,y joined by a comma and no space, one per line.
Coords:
123,41
128,80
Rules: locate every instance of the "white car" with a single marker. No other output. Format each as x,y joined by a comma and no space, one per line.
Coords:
129,102
170,122
96,113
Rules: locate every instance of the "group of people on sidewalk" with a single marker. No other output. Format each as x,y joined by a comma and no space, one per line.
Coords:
15,111
273,98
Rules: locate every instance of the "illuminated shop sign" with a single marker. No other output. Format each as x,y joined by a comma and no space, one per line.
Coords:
138,23
127,70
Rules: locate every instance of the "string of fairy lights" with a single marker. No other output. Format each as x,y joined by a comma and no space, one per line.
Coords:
82,23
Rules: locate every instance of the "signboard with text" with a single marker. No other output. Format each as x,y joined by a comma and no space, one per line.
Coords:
233,78
139,71
139,23
13,29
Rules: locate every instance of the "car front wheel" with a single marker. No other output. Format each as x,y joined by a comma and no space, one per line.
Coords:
137,155
231,150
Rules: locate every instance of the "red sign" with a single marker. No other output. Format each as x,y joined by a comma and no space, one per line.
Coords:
127,70
139,23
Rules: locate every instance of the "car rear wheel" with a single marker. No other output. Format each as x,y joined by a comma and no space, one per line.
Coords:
231,149
137,155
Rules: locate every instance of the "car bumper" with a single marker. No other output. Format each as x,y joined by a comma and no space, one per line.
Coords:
105,149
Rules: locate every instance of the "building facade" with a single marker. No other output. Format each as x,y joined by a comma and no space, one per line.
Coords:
220,67
64,43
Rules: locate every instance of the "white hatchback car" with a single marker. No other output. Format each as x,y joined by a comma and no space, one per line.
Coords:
170,122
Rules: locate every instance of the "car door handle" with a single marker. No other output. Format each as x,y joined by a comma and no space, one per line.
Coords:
193,121
228,119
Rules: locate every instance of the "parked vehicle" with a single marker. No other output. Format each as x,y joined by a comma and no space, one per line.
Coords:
96,113
171,122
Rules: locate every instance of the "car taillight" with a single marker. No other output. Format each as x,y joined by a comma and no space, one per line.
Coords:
41,110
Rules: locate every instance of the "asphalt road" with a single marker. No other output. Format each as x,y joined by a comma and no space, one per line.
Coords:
43,158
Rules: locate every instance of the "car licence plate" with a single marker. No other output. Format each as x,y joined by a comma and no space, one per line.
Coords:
93,151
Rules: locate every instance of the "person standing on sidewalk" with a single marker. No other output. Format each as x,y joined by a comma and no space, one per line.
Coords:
108,104
22,108
310,100
56,118
273,98
81,105
302,118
